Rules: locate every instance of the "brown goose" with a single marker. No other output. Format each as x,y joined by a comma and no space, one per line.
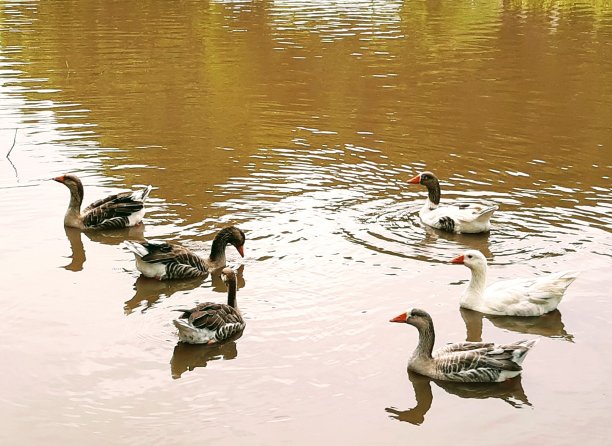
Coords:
113,212
463,361
210,323
163,261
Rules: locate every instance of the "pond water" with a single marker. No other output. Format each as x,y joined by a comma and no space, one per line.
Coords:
301,122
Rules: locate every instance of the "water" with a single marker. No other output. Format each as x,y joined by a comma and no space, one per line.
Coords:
300,122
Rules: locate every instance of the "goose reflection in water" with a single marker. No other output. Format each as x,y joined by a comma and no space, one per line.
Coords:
78,251
117,236
549,325
111,237
478,241
187,357
510,391
149,291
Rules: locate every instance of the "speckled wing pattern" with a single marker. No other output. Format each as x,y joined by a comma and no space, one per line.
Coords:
479,362
112,212
462,347
224,320
180,262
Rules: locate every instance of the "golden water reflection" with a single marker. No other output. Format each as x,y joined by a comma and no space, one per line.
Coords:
300,122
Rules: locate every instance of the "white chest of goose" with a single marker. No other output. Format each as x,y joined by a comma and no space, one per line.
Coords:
453,217
516,297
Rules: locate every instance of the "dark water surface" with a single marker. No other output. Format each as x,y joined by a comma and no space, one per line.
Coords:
300,122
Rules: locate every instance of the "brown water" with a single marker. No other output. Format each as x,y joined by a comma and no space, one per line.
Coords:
300,122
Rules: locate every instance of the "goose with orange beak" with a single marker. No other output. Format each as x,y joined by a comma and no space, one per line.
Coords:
117,211
463,361
517,297
457,217
164,261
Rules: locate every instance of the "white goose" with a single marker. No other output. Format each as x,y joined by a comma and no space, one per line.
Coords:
517,297
463,361
457,217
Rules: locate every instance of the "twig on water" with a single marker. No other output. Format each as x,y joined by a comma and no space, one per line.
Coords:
8,154
13,146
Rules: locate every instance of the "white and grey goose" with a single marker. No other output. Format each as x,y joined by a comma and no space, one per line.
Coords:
516,297
164,261
210,323
113,212
463,361
457,217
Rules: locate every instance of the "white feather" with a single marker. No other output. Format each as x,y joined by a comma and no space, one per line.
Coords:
151,270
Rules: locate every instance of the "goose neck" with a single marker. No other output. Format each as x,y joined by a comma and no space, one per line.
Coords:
76,199
231,293
217,251
478,281
427,338
433,193
476,288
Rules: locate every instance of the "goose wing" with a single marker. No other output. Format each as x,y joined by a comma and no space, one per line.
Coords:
122,197
525,294
467,212
479,364
213,316
111,213
223,320
180,262
462,346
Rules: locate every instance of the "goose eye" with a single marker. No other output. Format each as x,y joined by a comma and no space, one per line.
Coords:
469,256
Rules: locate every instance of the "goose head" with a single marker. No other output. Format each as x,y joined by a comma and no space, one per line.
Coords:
230,235
415,316
427,179
237,238
72,182
474,260
228,275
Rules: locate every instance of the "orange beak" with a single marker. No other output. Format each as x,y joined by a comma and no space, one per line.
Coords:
59,179
457,260
415,180
240,250
401,318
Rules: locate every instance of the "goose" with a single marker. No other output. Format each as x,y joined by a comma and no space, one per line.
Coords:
113,212
463,361
516,297
211,323
163,261
468,218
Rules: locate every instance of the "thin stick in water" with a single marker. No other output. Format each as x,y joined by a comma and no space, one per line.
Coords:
13,146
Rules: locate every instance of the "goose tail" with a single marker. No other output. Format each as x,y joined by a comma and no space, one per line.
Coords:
521,348
188,333
141,195
486,213
136,248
